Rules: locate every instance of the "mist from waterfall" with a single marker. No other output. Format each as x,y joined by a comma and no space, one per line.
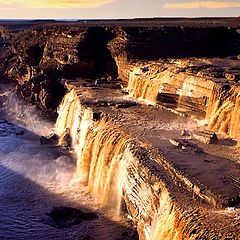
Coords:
37,178
17,111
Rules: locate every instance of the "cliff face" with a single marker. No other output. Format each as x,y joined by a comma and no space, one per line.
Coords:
39,58
148,43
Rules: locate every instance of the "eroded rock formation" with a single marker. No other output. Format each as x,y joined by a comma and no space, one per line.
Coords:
38,59
174,185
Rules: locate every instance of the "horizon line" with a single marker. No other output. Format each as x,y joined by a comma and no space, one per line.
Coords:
134,18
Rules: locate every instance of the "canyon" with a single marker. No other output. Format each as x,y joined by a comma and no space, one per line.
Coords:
147,113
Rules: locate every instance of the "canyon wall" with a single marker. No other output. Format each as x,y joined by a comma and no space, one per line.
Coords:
39,59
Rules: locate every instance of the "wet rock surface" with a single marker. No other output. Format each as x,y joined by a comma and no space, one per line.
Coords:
51,139
64,217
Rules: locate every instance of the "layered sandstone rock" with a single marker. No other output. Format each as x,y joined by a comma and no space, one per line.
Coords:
39,58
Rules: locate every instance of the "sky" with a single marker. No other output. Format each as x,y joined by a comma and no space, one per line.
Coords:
115,9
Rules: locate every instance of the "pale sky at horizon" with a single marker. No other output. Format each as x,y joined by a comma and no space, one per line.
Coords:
97,9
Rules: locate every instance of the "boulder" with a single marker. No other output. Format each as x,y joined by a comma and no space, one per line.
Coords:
186,133
213,139
50,139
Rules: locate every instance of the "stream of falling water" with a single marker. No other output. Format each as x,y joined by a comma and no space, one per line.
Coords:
142,88
101,151
35,179
223,111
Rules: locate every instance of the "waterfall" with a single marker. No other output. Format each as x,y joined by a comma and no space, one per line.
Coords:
145,86
63,112
223,110
102,161
115,167
175,90
101,150
223,107
164,220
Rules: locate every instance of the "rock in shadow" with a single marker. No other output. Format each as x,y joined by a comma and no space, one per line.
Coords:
50,139
63,217
186,145
227,142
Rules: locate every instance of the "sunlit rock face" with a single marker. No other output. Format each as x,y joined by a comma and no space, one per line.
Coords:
34,58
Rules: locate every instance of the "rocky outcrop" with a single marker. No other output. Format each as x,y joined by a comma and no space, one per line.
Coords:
39,58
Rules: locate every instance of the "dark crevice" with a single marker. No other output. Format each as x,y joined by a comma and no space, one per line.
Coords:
45,91
93,50
34,55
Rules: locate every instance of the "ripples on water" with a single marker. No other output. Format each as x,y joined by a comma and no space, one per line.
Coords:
33,180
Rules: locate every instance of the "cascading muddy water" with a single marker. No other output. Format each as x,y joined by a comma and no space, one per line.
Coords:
152,84
104,161
38,194
223,110
101,151
115,166
182,92
141,87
